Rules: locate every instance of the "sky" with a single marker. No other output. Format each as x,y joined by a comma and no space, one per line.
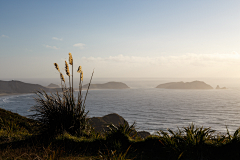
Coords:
121,39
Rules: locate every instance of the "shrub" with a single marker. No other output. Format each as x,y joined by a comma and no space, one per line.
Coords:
117,138
122,128
113,155
189,141
63,112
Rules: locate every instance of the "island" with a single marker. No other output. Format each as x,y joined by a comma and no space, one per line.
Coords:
52,85
220,87
108,85
18,87
186,85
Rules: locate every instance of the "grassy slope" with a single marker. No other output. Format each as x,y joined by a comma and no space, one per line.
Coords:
19,139
14,119
14,127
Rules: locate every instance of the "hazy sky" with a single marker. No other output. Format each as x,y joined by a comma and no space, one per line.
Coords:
127,38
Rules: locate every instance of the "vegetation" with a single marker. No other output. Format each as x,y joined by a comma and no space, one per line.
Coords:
61,131
62,112
15,127
20,139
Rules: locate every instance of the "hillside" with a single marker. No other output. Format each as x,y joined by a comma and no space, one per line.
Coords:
12,87
8,117
186,85
108,85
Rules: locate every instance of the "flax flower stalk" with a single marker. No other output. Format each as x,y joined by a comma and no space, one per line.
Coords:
79,69
62,80
81,73
70,59
56,66
61,76
80,84
68,73
81,76
71,63
67,68
88,89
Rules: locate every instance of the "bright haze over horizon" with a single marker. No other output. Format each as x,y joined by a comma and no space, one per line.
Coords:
121,39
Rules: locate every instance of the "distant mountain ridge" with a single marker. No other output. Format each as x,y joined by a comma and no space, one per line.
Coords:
108,85
186,85
13,86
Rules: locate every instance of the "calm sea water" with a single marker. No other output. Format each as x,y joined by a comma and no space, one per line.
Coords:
153,109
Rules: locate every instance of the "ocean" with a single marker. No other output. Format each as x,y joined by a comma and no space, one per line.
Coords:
154,109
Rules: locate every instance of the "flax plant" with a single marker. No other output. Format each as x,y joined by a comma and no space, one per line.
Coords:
71,63
68,74
188,141
61,112
113,155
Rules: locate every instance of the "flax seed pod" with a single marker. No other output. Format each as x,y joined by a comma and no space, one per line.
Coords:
79,69
67,69
70,59
81,75
56,66
61,76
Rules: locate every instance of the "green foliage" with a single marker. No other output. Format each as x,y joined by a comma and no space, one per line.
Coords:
198,136
10,119
122,128
10,131
190,140
186,143
234,137
15,127
117,138
113,155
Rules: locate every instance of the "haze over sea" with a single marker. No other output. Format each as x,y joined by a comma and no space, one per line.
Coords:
153,109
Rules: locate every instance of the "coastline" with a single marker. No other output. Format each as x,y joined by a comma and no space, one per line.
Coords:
11,94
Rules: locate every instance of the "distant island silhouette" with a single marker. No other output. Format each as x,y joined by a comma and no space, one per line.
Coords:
53,86
186,85
18,87
220,87
108,85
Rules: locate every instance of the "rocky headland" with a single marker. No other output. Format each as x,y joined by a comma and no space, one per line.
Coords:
185,85
100,124
108,85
